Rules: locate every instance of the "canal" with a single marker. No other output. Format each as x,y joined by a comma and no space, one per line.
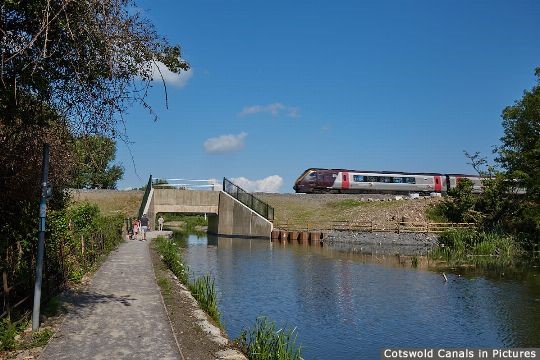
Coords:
349,305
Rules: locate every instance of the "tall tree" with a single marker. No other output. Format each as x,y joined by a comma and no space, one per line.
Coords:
67,68
519,153
93,168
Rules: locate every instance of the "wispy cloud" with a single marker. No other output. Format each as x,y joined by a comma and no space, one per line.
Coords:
275,109
225,143
160,70
269,184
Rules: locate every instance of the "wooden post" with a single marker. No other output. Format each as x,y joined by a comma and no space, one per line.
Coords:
6,295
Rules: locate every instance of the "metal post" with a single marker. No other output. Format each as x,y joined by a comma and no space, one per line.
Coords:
41,238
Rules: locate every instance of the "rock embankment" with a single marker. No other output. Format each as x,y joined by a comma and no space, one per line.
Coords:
382,243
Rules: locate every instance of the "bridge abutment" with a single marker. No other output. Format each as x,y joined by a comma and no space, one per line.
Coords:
226,215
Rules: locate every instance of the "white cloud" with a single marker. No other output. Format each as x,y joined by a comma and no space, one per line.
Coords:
275,109
160,70
270,184
225,143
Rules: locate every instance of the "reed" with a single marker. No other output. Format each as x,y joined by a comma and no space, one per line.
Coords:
264,342
467,246
203,290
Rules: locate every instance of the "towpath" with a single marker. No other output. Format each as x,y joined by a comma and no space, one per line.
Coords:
119,316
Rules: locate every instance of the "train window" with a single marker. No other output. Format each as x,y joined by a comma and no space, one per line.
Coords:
386,179
313,174
372,178
397,180
358,178
410,180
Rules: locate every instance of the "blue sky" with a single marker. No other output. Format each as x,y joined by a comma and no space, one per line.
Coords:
277,87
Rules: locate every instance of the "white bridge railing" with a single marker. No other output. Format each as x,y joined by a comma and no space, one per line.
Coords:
187,184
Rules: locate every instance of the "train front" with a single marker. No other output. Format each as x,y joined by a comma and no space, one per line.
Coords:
305,183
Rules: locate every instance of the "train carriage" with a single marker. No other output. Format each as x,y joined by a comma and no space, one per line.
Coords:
316,180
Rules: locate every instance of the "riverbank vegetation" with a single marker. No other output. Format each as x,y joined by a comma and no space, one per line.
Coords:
507,212
469,246
265,342
202,288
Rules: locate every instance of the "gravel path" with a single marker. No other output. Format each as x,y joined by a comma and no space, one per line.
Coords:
119,316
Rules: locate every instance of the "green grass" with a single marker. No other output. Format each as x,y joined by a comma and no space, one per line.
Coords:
10,330
466,246
265,342
435,213
170,255
345,204
203,288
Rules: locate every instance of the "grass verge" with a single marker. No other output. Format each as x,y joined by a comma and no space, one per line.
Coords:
203,288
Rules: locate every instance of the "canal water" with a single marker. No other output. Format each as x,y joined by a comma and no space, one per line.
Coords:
350,305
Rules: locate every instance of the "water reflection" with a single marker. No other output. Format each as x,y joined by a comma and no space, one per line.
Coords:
349,305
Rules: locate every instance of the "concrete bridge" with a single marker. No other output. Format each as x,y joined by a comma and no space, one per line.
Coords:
232,212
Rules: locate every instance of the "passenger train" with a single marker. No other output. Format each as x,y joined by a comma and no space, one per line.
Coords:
316,180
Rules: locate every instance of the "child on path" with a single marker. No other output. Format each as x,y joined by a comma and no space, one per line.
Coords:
135,228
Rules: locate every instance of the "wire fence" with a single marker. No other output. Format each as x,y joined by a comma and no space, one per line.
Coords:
257,205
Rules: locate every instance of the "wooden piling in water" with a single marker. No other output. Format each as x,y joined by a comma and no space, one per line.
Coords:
293,236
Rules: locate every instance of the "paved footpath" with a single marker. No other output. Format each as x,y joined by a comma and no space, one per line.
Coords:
119,316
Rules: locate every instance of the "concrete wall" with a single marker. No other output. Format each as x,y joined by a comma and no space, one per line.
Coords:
226,215
236,219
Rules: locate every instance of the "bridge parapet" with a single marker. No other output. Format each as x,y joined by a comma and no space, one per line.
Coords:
228,215
248,199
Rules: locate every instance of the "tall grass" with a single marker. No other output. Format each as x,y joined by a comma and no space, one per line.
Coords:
466,246
264,342
203,288
170,255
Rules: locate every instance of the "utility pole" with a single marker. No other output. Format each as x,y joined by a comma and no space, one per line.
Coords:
45,194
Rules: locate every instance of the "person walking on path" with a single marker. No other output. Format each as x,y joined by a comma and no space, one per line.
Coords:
160,222
144,226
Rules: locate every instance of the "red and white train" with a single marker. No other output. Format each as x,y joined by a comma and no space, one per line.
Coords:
316,180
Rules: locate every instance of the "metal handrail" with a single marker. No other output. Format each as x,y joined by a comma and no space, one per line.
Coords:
257,205
145,197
